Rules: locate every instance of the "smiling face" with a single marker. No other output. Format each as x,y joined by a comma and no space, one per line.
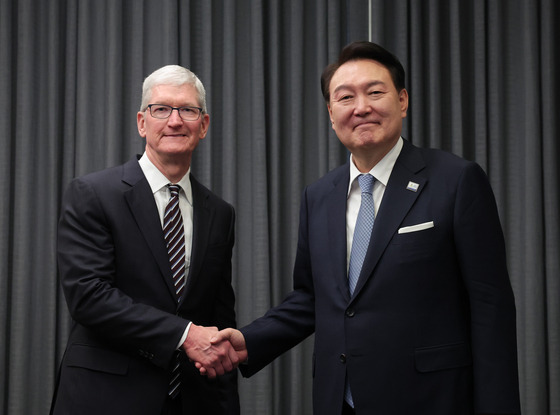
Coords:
172,140
366,110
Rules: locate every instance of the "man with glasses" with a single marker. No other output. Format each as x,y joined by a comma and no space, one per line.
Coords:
144,254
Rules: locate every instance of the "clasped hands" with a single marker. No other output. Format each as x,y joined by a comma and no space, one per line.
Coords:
215,352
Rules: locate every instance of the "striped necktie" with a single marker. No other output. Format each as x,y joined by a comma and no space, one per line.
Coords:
174,233
175,239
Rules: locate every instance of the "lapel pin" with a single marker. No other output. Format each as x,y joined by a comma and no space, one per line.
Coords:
412,186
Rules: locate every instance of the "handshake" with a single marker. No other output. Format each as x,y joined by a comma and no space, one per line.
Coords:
215,352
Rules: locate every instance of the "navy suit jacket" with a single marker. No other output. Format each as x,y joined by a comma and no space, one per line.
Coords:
116,277
430,328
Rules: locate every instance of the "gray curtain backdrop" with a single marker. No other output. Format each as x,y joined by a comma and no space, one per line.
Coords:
483,81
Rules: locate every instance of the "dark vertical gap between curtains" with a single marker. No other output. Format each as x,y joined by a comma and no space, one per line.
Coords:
6,209
482,80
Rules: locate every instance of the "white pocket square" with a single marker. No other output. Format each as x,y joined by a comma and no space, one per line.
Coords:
416,228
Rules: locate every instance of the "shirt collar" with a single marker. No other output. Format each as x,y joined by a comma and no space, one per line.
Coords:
382,170
158,181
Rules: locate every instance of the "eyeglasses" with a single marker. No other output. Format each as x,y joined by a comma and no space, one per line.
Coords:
164,111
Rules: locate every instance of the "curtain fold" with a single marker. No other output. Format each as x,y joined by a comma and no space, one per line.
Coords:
482,78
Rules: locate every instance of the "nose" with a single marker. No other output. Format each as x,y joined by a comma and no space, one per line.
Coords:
174,118
363,104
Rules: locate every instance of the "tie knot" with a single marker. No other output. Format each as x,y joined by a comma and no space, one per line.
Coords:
366,183
174,189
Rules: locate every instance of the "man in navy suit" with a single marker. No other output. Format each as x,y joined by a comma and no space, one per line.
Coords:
429,328
135,324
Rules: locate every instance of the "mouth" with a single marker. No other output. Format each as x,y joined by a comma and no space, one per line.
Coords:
366,124
174,135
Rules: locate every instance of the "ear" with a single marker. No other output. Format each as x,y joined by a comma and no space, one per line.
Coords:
204,125
403,99
330,115
141,123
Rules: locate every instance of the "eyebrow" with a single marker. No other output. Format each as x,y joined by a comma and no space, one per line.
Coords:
368,85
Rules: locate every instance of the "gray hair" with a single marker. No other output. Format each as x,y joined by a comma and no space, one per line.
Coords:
172,75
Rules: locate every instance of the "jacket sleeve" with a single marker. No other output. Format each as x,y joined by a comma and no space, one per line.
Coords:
482,258
88,271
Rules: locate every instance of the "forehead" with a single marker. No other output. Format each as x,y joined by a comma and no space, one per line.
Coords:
360,72
183,94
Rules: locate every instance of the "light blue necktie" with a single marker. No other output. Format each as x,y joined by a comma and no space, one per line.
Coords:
362,231
360,244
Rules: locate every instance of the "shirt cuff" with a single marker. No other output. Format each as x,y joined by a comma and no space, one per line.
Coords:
184,337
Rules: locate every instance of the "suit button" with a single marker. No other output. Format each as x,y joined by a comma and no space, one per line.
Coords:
342,358
350,313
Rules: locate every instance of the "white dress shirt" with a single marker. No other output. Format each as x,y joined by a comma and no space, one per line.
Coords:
158,183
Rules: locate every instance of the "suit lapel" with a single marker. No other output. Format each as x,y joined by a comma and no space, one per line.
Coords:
141,202
336,208
397,201
202,218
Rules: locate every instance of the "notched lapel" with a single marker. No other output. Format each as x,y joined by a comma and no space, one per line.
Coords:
336,201
398,199
203,213
143,208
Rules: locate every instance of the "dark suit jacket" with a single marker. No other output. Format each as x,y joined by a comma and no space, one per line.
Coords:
116,277
430,328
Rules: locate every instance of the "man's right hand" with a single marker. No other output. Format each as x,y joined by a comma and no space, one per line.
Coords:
227,339
215,358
